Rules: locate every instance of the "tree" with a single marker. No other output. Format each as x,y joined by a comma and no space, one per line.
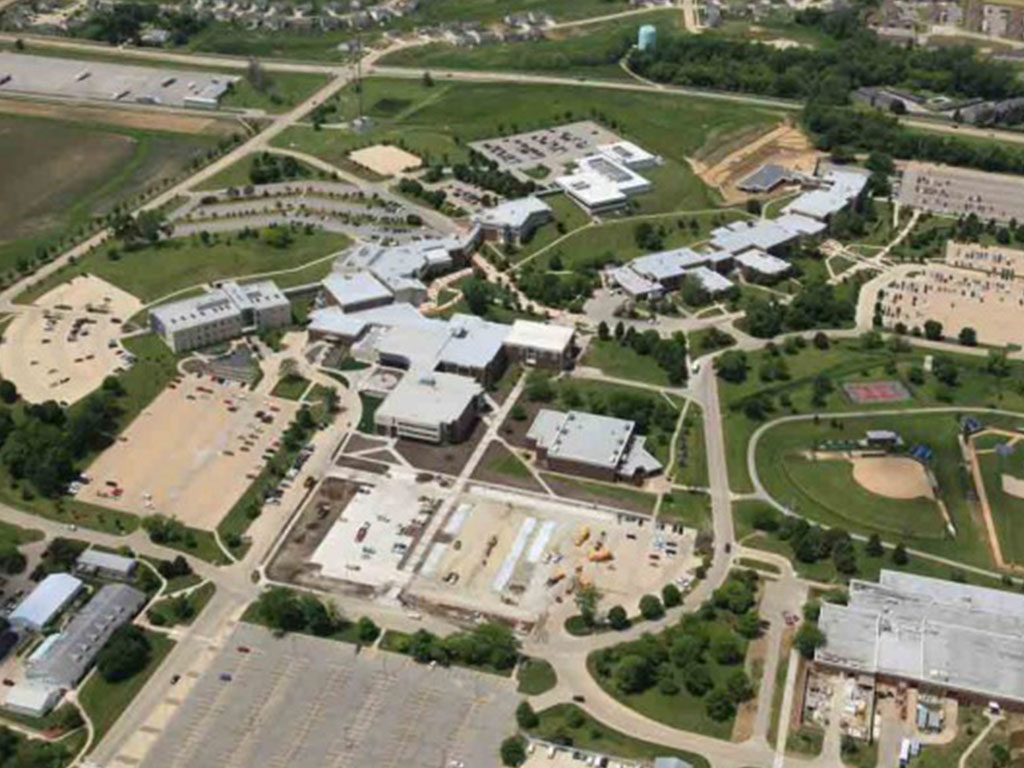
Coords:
968,337
720,705
587,598
900,555
257,76
874,546
603,332
671,596
738,686
808,639
526,717
366,630
428,80
821,340
732,366
8,391
933,330
513,751
124,655
651,607
725,648
634,674
1000,755
697,679
618,619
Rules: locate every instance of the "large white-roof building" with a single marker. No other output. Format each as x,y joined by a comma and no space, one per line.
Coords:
543,344
513,221
220,315
600,183
431,406
956,637
590,444
654,273
51,596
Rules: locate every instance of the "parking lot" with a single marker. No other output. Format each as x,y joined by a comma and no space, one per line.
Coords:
104,81
515,556
64,346
553,148
191,453
304,702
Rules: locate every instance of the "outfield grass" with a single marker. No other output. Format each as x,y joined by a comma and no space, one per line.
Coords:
846,361
104,702
535,676
593,50
155,271
555,724
623,362
439,121
1007,509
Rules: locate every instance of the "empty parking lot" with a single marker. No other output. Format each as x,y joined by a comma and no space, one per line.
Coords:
304,702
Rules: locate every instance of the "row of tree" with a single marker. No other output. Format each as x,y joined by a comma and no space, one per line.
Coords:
670,353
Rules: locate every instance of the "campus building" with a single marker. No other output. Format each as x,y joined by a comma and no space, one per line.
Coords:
606,179
654,274
44,603
107,565
220,315
600,447
513,222
542,344
433,407
948,638
68,655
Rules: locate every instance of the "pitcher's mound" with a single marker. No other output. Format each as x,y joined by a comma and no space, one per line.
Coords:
892,476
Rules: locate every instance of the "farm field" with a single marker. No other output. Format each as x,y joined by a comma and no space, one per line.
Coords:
593,50
68,173
437,122
173,265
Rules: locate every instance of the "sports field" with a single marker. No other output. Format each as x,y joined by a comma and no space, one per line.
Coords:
69,172
437,122
828,492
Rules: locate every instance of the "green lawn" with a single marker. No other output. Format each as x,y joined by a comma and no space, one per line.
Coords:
1006,508
699,343
691,509
535,676
612,495
104,702
692,464
290,387
805,740
568,217
556,724
283,91
163,614
438,122
593,50
623,362
172,265
237,174
846,361
370,406
509,464
970,722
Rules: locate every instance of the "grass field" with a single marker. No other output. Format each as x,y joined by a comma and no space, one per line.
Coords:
104,702
593,50
70,172
290,387
691,509
237,175
1007,509
847,361
535,676
152,272
622,362
557,722
437,122
162,613
692,466
283,91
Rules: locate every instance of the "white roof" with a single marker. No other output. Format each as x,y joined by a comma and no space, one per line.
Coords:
743,235
666,265
31,697
588,438
465,341
513,213
355,288
762,262
627,153
259,295
428,398
795,222
97,558
839,188
590,189
711,281
46,600
544,336
632,283
195,311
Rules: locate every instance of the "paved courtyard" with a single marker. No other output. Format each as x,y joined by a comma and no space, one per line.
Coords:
303,702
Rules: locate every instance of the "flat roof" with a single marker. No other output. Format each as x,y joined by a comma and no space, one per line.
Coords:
355,288
744,235
465,341
711,281
545,336
631,282
627,153
44,602
429,398
762,262
195,311
263,294
97,558
513,213
932,631
667,265
588,438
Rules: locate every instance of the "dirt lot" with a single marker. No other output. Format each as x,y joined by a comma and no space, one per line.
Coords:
128,118
570,488
191,453
385,159
784,145
896,477
44,354
446,459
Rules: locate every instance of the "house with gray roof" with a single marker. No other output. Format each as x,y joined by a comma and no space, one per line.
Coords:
580,443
